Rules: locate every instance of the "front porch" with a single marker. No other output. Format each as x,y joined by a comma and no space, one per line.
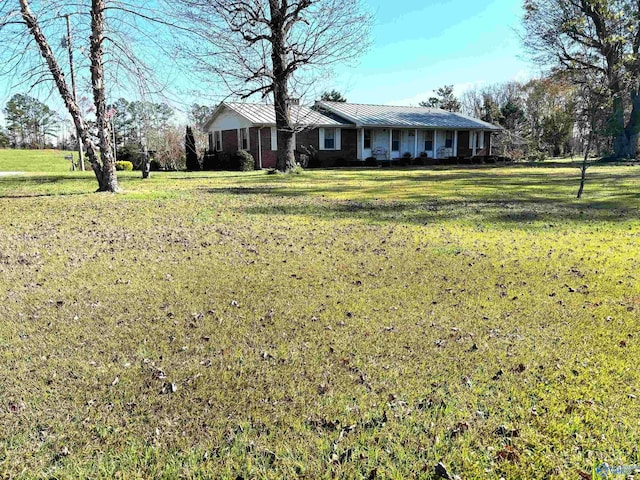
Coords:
388,144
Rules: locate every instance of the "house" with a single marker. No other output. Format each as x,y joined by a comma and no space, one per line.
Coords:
350,132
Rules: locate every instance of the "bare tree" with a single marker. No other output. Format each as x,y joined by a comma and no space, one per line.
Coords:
274,48
31,55
595,38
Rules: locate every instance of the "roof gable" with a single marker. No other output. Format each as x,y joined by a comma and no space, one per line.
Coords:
264,115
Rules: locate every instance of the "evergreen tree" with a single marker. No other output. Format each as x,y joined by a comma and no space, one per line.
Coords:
193,165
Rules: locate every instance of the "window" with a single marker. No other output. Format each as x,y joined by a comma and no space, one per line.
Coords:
330,139
428,141
367,139
274,138
217,135
244,139
480,140
211,145
448,139
395,140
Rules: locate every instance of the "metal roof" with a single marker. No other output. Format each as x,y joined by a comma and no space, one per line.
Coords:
264,114
391,117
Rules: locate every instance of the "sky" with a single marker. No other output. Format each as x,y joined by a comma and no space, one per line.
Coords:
421,45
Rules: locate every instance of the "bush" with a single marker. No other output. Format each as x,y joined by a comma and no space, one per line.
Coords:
244,161
123,166
191,155
371,162
536,156
130,152
209,161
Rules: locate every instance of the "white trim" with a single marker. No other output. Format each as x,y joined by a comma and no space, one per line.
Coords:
337,138
274,139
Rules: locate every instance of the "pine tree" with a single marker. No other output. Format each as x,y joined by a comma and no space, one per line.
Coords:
192,155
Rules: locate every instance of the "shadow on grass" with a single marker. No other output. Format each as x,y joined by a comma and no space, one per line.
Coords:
28,186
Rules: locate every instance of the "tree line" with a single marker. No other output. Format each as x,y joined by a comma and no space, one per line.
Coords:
30,123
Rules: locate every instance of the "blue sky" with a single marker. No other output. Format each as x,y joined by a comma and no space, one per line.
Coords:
420,45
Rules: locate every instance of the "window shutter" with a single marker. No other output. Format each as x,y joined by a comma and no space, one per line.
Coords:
338,141
274,138
321,130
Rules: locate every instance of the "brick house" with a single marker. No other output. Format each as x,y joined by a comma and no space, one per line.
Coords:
350,132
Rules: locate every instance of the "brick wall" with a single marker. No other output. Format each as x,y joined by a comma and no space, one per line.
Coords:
329,158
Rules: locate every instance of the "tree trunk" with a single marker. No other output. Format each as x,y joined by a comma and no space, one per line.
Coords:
286,160
106,183
107,178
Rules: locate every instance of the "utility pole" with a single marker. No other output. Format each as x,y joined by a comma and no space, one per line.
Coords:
73,86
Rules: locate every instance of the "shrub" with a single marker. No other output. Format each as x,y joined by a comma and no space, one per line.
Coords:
312,159
371,162
407,155
535,156
244,161
209,161
123,166
130,152
191,156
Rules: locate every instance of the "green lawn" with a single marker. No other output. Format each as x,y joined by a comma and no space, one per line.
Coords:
35,161
332,324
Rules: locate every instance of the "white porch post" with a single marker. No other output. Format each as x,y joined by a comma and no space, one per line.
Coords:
474,139
415,147
390,143
362,144
455,143
435,144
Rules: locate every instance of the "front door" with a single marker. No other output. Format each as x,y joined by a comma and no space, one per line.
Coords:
395,144
366,152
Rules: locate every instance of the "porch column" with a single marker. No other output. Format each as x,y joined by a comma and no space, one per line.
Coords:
474,139
390,143
455,143
435,144
415,148
362,144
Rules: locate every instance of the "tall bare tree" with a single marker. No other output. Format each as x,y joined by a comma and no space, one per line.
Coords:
103,162
111,30
594,38
275,48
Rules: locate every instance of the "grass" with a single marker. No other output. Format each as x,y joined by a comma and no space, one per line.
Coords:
35,161
333,324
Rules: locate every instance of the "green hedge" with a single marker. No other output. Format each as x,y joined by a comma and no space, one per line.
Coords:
124,166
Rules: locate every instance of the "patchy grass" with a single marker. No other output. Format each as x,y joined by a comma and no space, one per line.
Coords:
333,324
